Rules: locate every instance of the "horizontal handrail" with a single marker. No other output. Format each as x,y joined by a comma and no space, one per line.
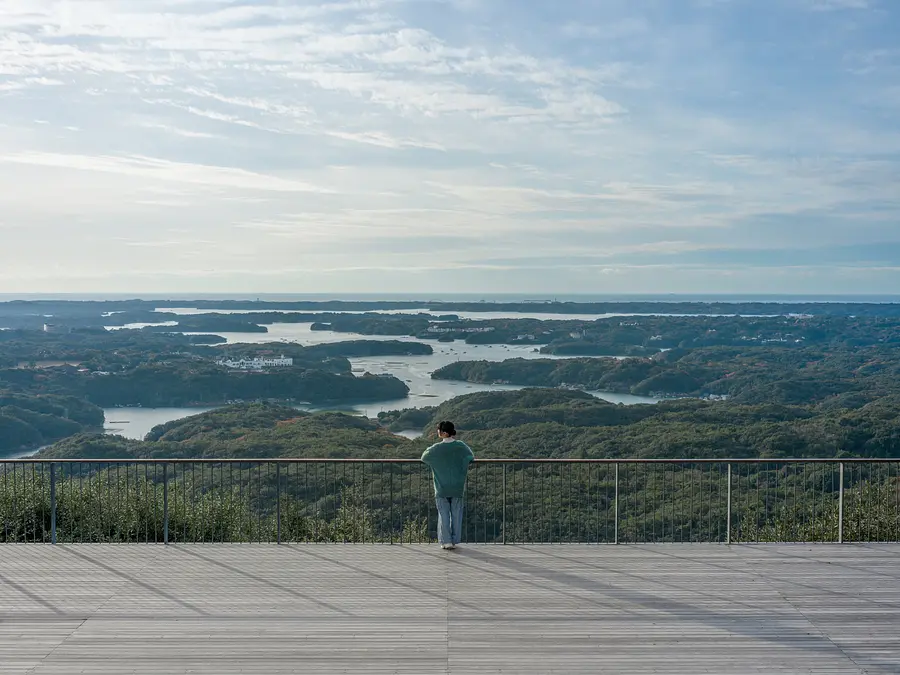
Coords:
518,500
502,460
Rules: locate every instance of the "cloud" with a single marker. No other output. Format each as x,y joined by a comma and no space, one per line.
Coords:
836,5
577,146
28,82
177,172
384,140
184,133
614,30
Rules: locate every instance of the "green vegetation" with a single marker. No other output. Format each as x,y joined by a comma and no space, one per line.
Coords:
387,502
838,377
531,423
129,367
821,386
670,325
200,383
627,336
134,511
378,501
28,422
633,376
96,349
116,350
33,314
218,323
234,502
363,348
550,423
871,513
252,431
374,324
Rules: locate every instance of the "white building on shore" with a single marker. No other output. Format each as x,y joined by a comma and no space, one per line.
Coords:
439,329
256,363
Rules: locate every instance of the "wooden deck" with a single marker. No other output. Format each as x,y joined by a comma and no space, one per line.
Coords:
481,609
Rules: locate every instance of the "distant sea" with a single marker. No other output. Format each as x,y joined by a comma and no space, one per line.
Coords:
457,297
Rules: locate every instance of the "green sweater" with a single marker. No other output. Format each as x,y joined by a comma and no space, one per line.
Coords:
449,463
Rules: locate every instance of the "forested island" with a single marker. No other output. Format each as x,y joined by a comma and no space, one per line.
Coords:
333,350
249,430
527,423
198,384
833,359
125,369
54,385
30,421
34,313
376,501
633,335
838,378
634,329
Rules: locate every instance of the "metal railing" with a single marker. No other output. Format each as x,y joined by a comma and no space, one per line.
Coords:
507,501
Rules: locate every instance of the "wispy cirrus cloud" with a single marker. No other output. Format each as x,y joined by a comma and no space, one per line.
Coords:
299,137
837,5
153,168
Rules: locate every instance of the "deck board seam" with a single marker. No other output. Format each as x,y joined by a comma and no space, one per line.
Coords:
114,592
447,612
751,571
573,609
822,633
62,642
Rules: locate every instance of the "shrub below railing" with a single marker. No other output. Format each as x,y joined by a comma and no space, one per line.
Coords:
515,502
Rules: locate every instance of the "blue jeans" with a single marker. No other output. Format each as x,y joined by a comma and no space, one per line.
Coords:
450,519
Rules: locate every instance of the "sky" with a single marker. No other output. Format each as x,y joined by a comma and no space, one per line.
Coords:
507,146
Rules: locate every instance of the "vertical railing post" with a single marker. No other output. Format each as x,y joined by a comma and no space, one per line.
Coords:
728,533
278,502
52,502
166,504
841,507
391,465
617,505
503,516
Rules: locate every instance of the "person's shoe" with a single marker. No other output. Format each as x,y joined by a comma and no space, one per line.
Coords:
446,547
450,547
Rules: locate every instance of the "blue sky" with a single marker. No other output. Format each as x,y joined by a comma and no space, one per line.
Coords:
695,146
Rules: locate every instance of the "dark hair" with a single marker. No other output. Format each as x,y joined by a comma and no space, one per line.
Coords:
447,428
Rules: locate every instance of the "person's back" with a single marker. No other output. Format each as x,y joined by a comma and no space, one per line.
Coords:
449,462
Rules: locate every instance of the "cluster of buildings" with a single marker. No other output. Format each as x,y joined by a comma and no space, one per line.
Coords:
257,363
440,329
773,340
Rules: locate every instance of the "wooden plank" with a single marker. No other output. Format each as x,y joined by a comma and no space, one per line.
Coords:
671,608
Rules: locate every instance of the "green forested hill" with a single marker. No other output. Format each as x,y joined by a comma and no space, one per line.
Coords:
192,384
351,502
842,377
251,431
527,423
31,421
554,423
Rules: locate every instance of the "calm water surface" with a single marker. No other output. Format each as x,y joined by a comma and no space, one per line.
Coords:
415,371
187,311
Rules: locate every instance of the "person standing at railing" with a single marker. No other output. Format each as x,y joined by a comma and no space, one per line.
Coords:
449,462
